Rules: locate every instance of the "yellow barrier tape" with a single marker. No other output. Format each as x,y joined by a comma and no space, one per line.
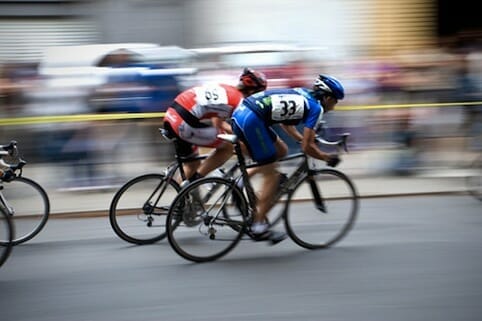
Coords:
118,116
456,104
76,118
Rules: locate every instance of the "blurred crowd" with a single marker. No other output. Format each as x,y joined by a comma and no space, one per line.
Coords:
121,81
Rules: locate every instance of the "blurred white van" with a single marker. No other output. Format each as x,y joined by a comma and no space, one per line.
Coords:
68,75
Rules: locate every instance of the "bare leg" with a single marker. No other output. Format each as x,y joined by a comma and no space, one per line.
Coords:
216,159
190,168
270,183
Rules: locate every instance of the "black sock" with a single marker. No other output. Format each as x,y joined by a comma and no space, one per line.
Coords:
195,177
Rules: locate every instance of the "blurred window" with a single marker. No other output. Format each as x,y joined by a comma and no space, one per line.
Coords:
22,39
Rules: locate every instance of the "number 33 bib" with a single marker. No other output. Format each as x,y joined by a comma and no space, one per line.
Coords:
287,107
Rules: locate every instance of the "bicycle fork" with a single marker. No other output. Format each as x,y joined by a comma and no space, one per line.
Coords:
320,205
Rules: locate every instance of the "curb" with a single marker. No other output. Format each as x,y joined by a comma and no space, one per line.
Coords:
105,212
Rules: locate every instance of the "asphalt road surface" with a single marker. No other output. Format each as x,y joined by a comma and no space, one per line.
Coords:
407,258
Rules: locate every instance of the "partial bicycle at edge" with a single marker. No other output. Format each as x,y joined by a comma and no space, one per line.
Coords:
24,200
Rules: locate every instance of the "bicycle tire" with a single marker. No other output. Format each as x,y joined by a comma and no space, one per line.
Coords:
203,226
139,208
28,206
474,179
335,202
6,236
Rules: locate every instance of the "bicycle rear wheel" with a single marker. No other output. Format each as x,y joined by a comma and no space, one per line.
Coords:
28,205
139,209
328,210
474,179
203,223
6,236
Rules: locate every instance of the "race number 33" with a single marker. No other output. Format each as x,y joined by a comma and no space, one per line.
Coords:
287,107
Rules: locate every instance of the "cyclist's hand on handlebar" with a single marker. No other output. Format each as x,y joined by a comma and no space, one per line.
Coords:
333,160
8,175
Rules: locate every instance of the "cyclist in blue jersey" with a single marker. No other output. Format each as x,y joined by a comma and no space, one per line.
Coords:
288,107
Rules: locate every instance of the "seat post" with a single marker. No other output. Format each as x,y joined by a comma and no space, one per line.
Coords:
244,173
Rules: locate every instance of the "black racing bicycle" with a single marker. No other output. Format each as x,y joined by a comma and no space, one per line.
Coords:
210,216
139,208
23,199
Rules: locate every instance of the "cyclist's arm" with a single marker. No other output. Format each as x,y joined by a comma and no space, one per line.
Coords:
221,124
293,132
309,146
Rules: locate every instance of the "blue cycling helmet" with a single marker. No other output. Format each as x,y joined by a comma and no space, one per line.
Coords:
327,85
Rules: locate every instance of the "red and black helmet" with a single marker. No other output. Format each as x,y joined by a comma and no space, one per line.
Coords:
252,80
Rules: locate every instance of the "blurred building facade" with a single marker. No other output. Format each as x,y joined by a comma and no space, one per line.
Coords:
341,27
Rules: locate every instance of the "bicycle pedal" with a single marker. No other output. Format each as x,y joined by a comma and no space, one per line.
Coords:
321,208
274,237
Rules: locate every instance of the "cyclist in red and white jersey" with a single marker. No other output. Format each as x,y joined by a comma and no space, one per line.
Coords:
199,114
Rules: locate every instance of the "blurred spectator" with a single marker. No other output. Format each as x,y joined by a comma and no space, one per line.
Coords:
9,92
427,74
389,79
123,91
404,136
15,79
467,91
296,73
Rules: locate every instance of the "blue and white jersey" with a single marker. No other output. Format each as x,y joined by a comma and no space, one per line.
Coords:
290,106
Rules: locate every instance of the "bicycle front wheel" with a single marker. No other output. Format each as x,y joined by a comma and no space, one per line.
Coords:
6,236
474,179
204,223
28,205
139,209
327,206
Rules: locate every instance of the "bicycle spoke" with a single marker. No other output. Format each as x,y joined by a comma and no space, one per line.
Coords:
205,231
139,209
316,226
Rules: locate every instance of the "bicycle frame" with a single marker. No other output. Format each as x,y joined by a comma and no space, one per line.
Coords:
302,171
171,170
16,170
4,203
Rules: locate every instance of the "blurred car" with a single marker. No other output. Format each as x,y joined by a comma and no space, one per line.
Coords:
120,77
100,78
